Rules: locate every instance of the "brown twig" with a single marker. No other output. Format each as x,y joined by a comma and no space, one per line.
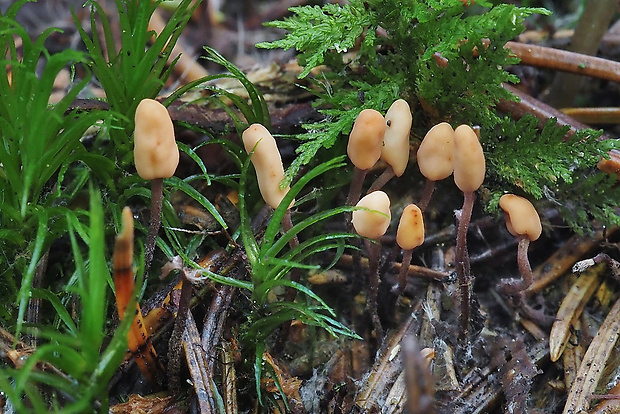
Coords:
565,61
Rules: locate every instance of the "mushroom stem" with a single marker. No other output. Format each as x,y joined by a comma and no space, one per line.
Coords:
157,189
429,188
374,251
515,286
355,189
287,224
462,261
404,271
382,180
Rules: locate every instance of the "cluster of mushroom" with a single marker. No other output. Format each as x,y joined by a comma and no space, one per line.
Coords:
444,151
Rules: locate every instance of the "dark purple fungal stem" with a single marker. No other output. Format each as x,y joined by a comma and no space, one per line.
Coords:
157,189
462,262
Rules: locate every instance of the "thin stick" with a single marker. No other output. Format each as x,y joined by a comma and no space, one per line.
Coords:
547,57
462,262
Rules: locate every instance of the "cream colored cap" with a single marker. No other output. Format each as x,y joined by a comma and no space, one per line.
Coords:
521,217
267,163
410,233
436,152
366,139
155,150
395,150
372,224
469,164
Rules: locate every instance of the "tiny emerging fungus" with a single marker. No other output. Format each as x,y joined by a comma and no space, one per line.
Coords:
364,148
395,149
156,157
435,158
373,224
410,234
469,172
523,222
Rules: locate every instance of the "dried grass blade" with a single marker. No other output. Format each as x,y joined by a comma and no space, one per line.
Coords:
593,363
575,300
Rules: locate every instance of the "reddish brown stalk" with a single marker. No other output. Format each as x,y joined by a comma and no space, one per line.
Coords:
382,180
355,189
427,193
462,262
157,189
374,251
516,286
404,271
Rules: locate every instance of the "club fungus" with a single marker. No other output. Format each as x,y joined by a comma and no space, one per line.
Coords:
364,148
410,234
267,163
372,222
523,222
469,172
435,156
395,149
156,157
138,341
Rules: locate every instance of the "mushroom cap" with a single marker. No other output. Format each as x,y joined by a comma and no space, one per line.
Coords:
366,139
469,164
436,152
372,224
521,217
155,151
410,233
267,163
395,150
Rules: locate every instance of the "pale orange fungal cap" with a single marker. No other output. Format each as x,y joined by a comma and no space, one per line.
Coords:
395,150
156,154
435,154
372,224
366,139
267,163
522,219
410,233
469,163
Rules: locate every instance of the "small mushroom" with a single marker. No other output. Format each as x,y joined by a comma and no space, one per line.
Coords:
410,234
270,172
523,222
469,172
373,224
395,150
267,163
364,148
435,158
156,157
